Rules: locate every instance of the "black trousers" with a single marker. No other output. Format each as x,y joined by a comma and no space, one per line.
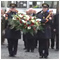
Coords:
43,47
52,43
2,39
12,46
25,43
57,41
25,40
36,41
30,44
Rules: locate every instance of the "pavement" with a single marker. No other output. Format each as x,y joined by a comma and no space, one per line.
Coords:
21,54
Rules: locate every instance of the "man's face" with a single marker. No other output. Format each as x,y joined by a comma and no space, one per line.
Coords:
44,9
12,6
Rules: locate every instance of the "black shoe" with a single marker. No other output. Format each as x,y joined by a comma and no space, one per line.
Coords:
45,57
36,47
41,57
14,54
24,48
52,47
27,51
7,46
57,50
32,50
11,55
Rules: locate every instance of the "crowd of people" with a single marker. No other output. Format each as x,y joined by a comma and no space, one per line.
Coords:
51,30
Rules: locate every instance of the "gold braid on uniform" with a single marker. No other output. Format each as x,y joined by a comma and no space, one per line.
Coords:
6,16
47,18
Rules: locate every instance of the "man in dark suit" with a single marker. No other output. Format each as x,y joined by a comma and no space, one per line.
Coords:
56,29
11,34
52,34
44,35
30,40
2,27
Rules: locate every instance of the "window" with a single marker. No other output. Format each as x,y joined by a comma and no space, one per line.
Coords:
21,4
5,3
2,4
52,4
8,4
35,4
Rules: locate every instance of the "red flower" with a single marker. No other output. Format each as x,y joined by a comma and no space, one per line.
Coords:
24,23
37,21
22,18
22,14
32,24
29,19
28,25
34,18
17,18
20,21
25,19
24,27
34,28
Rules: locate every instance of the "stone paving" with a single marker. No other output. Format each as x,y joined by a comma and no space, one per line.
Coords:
21,54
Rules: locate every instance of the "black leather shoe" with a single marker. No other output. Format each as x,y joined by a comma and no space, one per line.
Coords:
45,57
41,57
57,50
24,48
27,51
32,50
11,55
52,47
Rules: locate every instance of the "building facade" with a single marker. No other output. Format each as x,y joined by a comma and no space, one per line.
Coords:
22,6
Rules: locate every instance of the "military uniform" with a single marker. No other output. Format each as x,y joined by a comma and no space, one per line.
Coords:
45,34
11,34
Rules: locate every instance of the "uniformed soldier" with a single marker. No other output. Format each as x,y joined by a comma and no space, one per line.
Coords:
11,34
45,34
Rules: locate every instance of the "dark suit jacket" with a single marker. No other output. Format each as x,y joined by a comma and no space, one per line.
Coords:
56,23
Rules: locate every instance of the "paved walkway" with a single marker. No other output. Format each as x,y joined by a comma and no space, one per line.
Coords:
21,54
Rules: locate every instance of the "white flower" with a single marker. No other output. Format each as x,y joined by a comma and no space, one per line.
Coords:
18,11
27,17
4,15
20,15
29,27
32,17
38,19
13,18
33,21
23,21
